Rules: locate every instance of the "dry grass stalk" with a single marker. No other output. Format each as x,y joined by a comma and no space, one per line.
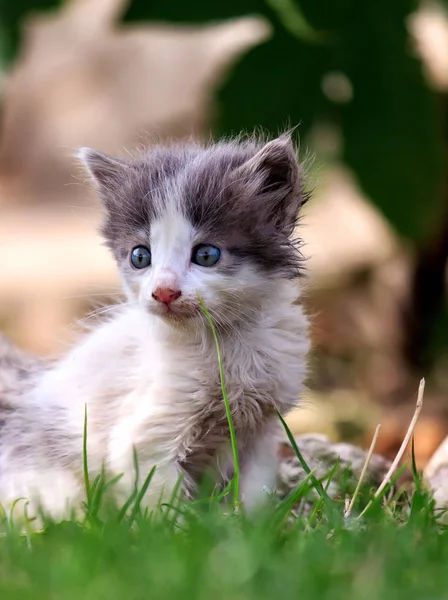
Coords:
404,445
348,509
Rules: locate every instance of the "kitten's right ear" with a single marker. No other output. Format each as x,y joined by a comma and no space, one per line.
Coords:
106,172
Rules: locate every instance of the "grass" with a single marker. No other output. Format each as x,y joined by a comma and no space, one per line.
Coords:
397,553
301,546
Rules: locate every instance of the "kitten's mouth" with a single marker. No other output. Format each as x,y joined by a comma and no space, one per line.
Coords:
176,311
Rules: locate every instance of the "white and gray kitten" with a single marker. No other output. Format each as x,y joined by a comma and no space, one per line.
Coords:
217,221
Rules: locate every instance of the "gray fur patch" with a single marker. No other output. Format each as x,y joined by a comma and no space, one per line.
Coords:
17,370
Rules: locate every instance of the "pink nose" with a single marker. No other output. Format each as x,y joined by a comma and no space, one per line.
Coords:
166,295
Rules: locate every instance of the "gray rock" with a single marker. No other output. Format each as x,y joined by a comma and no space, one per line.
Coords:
321,455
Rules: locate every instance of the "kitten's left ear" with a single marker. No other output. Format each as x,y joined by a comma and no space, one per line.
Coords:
273,177
106,172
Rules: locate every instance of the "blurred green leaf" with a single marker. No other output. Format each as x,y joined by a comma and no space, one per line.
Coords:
391,126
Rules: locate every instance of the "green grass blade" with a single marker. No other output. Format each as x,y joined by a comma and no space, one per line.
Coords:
287,504
112,482
214,498
95,485
13,507
328,477
136,467
99,489
84,458
140,495
174,501
318,486
236,463
124,509
318,506
415,474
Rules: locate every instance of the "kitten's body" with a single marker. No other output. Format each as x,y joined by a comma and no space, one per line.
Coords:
149,376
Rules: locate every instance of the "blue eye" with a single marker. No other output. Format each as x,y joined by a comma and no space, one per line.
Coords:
141,257
205,255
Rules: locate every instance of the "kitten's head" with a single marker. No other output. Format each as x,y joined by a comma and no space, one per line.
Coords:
216,221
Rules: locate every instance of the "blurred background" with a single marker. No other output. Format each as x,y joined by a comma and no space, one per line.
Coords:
367,85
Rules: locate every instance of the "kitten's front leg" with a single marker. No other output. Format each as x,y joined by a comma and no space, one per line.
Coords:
188,486
259,469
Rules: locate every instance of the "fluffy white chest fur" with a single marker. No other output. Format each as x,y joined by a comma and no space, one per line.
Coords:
159,393
149,376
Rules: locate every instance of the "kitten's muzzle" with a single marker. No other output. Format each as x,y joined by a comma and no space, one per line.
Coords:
166,295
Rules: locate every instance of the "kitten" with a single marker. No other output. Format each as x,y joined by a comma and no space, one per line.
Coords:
218,221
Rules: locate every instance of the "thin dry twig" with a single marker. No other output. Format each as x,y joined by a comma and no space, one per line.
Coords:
348,510
404,445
